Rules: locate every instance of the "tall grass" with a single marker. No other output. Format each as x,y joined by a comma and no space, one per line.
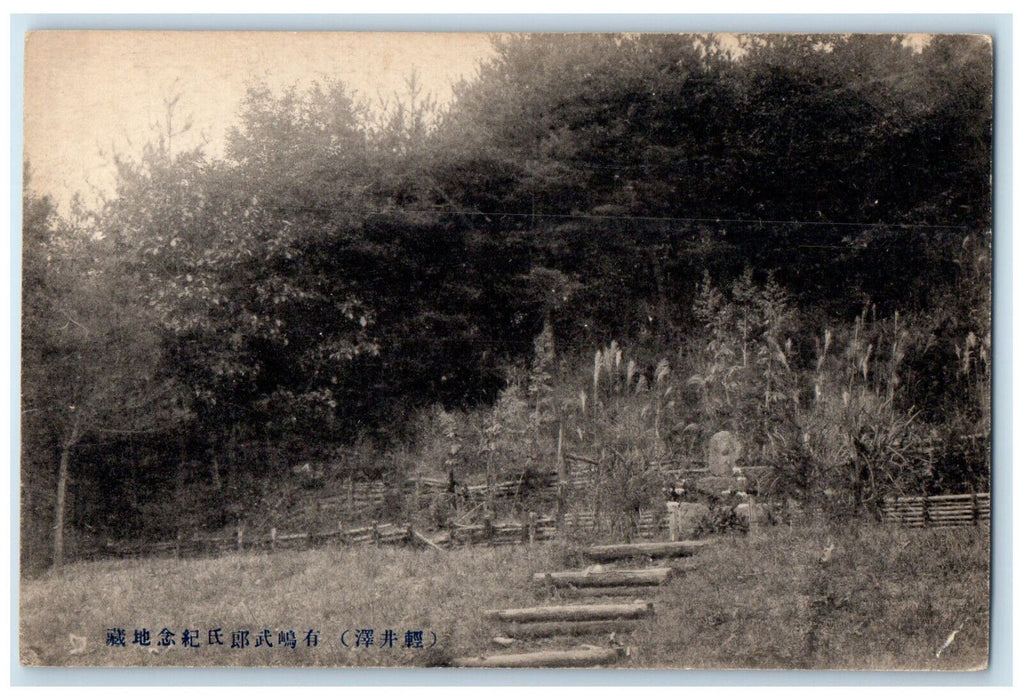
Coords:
329,590
884,599
826,408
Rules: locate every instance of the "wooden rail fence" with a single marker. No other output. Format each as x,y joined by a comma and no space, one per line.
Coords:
197,545
907,511
938,511
532,528
579,473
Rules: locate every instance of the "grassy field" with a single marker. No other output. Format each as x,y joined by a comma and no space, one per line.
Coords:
885,599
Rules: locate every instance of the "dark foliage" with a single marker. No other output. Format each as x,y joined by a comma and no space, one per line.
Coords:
336,271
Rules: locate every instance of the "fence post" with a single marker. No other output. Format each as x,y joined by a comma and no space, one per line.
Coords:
241,536
489,500
453,490
673,521
749,505
376,534
416,496
409,537
925,503
488,529
273,539
341,533
532,526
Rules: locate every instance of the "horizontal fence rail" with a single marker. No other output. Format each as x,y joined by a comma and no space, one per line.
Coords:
908,511
240,541
649,525
937,511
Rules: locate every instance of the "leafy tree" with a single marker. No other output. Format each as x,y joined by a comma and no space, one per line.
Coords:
835,149
340,266
232,259
90,360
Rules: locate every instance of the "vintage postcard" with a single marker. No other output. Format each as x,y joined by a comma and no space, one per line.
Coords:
646,351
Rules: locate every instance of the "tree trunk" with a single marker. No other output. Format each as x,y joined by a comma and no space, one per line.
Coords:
661,328
63,476
215,473
58,520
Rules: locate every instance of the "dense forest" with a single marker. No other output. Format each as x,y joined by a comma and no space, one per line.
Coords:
788,236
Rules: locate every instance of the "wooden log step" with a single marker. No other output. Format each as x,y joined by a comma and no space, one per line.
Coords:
568,658
565,613
633,592
617,577
610,552
536,630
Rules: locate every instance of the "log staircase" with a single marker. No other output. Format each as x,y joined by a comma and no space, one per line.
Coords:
609,604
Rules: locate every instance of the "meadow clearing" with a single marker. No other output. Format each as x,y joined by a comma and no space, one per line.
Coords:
886,598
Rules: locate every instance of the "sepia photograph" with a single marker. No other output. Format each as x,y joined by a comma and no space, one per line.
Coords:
506,350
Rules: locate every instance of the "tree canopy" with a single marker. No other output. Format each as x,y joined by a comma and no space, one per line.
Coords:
342,265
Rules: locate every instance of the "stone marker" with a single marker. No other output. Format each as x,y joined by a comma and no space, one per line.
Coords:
685,519
723,452
742,511
713,485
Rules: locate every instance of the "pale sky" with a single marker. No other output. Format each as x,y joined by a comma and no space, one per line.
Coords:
91,93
